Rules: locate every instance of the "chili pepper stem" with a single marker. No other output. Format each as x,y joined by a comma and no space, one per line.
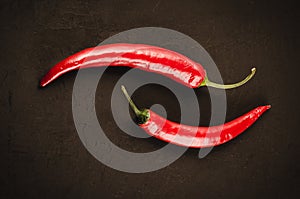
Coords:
206,82
142,115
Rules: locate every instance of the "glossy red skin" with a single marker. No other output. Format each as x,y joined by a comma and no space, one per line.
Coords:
200,137
144,57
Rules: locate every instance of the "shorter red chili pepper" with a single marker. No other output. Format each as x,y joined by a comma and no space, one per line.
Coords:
193,136
145,57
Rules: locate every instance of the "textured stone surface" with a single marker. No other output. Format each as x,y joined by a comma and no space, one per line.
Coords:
41,153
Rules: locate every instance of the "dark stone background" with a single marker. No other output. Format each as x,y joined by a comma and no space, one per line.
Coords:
41,153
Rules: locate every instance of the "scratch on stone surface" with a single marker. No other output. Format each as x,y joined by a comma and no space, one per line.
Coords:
77,13
208,40
59,28
156,5
4,78
231,43
10,100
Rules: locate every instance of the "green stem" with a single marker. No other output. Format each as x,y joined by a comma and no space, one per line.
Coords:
206,82
143,115
132,105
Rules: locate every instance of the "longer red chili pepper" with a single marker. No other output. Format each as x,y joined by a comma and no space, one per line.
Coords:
193,136
145,57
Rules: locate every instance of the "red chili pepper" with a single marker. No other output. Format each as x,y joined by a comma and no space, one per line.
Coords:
144,57
193,136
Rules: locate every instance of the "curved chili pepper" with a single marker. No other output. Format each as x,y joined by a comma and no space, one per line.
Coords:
193,136
144,57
